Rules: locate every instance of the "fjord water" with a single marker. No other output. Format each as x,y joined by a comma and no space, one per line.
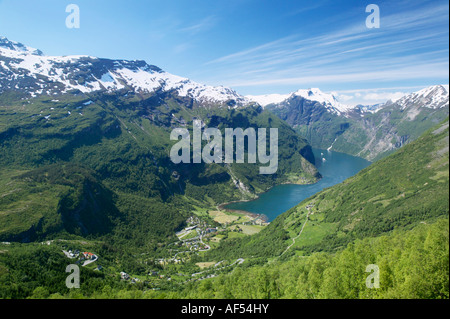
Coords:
333,166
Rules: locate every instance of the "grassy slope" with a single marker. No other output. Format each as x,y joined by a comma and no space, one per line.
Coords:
400,191
124,142
393,214
412,265
413,258
373,136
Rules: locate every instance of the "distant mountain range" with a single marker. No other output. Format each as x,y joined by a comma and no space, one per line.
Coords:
370,131
434,97
28,70
84,164
328,100
100,129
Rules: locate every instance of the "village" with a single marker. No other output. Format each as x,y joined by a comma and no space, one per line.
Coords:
200,234
203,234
85,258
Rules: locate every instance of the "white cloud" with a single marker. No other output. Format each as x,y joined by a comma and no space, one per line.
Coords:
415,49
374,95
418,71
384,96
180,48
201,26
344,98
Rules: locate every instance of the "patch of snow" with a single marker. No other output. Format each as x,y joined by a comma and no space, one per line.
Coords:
267,99
326,99
371,108
60,70
433,97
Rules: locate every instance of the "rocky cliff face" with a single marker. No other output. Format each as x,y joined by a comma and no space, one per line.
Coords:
369,132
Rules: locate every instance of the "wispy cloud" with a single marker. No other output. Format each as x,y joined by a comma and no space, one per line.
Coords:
409,45
371,90
182,47
370,98
374,95
203,25
384,96
426,70
306,8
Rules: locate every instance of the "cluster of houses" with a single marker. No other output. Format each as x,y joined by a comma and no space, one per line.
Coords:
85,257
82,255
126,276
210,230
88,256
72,254
194,223
195,245
193,220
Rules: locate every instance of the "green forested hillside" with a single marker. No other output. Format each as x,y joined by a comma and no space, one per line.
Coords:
99,164
412,264
394,215
371,135
399,192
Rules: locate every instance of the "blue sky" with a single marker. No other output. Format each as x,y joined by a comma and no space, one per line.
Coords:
254,46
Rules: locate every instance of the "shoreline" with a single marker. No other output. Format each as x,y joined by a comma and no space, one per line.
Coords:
237,211
254,215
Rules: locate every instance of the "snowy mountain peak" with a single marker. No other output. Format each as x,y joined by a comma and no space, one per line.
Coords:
267,99
314,94
327,99
373,108
18,47
27,69
434,97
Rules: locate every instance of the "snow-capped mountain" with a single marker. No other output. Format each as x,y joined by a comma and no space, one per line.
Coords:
433,97
374,108
369,131
267,99
328,100
27,69
18,47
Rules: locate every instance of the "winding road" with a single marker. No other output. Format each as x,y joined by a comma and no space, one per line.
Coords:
301,231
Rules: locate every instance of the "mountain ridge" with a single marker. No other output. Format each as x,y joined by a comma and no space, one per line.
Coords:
370,132
400,191
330,101
118,127
29,70
313,94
